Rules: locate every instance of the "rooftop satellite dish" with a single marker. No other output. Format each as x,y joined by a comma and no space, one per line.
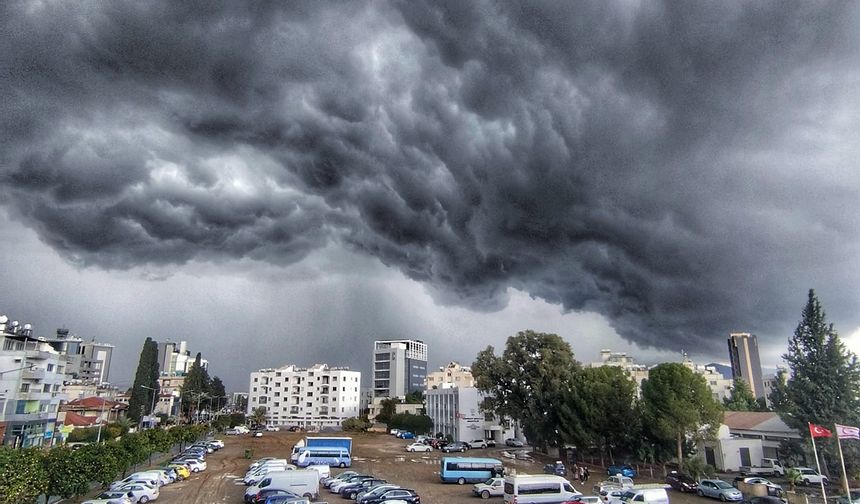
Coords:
27,326
3,319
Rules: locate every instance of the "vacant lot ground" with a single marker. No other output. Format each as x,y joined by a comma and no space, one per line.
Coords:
378,454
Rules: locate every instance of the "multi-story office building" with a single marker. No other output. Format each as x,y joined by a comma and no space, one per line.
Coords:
315,397
456,411
399,367
453,374
95,361
743,353
32,371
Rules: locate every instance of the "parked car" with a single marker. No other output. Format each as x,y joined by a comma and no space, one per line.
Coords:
327,482
111,497
556,468
437,444
766,499
151,481
682,482
855,497
493,487
405,435
181,470
418,447
394,432
264,493
272,428
491,443
455,446
194,465
401,494
772,488
351,491
719,489
809,476
477,444
378,489
336,486
622,469
516,443
140,493
217,443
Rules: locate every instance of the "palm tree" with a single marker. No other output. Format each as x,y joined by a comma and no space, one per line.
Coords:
124,423
259,416
793,476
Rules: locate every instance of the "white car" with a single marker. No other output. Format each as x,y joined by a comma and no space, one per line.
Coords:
477,444
493,487
809,476
272,428
111,497
418,447
218,443
116,485
141,493
195,465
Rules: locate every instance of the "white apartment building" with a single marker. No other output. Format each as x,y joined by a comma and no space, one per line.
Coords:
399,367
451,375
316,397
637,372
456,411
175,359
31,375
721,387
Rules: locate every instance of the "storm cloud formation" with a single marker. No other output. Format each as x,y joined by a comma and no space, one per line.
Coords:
682,168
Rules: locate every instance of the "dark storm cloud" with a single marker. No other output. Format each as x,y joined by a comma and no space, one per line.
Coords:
641,160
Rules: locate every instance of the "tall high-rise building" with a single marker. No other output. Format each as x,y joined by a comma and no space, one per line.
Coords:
95,361
399,367
743,353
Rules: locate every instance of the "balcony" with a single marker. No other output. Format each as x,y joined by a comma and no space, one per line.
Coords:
35,374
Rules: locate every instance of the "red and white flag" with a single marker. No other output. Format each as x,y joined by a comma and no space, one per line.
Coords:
847,432
818,431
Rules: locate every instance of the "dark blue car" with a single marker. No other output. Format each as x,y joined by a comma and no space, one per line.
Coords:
622,469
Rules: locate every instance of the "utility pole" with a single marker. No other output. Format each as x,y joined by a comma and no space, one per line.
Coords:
152,407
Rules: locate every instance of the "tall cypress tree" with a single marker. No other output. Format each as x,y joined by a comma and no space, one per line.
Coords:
196,385
824,382
141,400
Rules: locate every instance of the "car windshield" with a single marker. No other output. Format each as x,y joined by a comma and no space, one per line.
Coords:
722,485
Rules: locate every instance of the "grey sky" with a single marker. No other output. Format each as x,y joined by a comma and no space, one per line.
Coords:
286,183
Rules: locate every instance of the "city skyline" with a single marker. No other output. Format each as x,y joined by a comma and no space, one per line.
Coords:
290,182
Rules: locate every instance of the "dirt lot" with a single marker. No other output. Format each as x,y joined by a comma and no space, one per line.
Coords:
378,454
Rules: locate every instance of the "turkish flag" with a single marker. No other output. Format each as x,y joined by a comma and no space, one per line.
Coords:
818,431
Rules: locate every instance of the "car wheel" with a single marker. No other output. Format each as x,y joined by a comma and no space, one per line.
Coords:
723,497
412,450
806,482
143,500
352,495
701,493
461,481
196,470
342,465
485,494
462,450
307,495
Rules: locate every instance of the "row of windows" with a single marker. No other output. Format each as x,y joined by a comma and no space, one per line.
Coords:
536,488
472,466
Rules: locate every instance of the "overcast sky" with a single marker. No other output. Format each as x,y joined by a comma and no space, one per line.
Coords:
285,183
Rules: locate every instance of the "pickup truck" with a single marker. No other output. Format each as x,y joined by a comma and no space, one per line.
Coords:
768,466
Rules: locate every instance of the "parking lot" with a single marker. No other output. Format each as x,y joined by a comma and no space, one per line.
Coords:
378,454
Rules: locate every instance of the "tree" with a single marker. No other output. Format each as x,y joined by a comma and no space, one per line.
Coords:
418,424
528,383
22,475
416,397
824,377
355,424
387,408
258,416
63,471
218,393
145,386
823,386
602,401
741,398
677,403
195,386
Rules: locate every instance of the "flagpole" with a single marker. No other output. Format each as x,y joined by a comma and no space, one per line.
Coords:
842,461
818,465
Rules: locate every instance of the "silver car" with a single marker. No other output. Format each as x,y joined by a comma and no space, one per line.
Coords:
719,489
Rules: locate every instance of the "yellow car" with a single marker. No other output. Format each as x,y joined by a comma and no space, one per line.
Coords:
181,470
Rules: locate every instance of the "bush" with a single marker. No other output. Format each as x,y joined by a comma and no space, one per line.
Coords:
355,424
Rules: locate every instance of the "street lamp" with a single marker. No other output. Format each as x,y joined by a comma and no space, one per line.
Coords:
200,395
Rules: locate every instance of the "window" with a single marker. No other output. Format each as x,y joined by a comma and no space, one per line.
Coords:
50,367
25,387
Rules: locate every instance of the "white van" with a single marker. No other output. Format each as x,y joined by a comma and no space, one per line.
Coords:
538,488
645,496
161,476
259,474
301,482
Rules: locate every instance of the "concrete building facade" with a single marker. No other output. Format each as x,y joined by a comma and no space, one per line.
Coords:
399,367
456,412
31,375
453,375
721,387
317,397
743,353
175,359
